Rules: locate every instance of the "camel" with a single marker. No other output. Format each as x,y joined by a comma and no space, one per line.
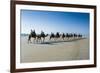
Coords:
75,35
67,35
55,36
79,35
41,36
32,35
52,35
63,36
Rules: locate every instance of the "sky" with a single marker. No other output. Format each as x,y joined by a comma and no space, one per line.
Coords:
54,21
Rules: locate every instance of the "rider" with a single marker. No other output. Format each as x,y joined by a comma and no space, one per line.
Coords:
42,32
31,31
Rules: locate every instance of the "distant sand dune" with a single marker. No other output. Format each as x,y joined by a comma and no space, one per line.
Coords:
50,50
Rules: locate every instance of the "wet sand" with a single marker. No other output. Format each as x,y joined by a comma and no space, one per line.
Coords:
54,50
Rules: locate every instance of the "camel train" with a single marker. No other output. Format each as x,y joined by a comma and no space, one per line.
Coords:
41,37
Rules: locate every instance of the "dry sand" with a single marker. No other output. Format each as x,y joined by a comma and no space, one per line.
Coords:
54,51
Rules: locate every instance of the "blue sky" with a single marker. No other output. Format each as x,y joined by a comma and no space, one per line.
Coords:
54,21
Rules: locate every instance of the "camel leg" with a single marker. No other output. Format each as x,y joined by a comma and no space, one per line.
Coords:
63,38
37,40
50,38
55,39
43,40
29,39
67,38
34,40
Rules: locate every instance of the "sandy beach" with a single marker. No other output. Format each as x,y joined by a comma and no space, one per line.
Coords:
54,51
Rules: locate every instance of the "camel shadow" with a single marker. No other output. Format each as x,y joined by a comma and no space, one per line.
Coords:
54,42
48,43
